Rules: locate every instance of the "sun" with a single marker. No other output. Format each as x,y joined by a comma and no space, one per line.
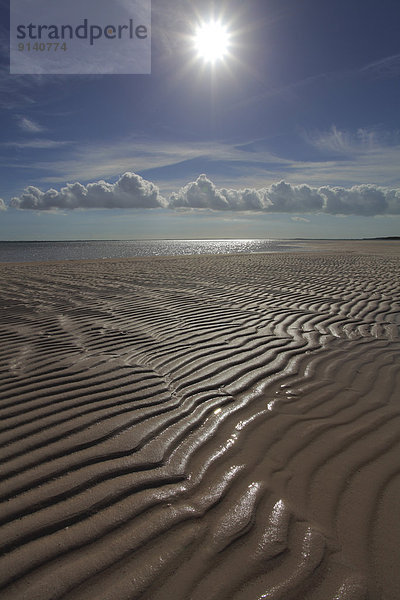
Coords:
211,41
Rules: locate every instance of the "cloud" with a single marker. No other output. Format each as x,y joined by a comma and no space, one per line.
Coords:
2,205
90,162
283,197
366,200
351,143
29,126
130,191
299,219
15,90
37,144
338,158
202,193
385,68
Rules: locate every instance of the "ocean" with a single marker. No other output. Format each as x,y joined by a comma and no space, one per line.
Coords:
80,250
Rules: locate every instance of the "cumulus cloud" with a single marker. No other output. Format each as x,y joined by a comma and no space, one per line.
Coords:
130,191
202,193
364,200
282,197
285,197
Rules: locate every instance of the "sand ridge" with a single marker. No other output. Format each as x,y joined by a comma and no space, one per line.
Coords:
201,427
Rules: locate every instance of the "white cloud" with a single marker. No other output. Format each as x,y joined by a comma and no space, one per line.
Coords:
202,193
384,68
300,219
368,156
89,162
16,90
366,200
37,144
352,143
2,205
29,126
283,197
130,191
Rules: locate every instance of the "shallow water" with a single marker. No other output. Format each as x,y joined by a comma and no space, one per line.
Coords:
80,250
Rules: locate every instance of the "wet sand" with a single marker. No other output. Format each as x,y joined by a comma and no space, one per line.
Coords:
219,427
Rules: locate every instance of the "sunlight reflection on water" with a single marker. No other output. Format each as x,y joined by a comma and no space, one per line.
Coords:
80,250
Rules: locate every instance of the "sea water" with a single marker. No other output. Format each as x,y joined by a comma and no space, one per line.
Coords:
81,250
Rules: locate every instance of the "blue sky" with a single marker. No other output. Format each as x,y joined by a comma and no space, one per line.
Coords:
295,133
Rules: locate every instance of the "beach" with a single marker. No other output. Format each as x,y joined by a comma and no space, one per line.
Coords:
191,427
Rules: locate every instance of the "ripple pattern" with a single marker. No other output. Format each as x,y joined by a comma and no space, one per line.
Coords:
220,427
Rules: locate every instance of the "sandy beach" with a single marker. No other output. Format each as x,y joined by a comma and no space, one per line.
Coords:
202,427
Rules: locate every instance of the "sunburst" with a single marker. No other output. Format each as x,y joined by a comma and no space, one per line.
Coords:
211,41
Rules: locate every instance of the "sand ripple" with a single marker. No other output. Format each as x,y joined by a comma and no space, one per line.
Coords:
201,427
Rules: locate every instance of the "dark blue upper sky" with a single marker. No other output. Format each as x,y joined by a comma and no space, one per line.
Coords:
310,94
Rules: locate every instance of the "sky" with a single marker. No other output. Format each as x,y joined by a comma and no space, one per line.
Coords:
295,132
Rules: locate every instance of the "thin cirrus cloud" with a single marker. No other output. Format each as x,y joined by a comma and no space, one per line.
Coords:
37,144
353,143
132,191
29,126
386,67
